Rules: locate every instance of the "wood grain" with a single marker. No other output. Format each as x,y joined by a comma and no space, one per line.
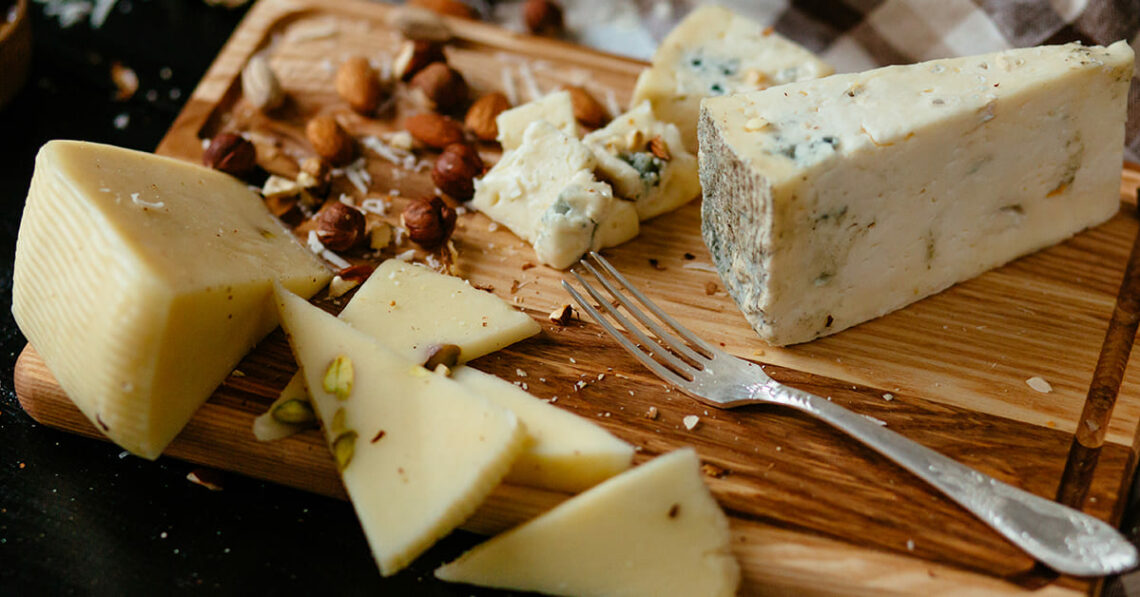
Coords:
812,512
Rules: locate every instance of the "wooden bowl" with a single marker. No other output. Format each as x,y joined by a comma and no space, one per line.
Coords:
15,51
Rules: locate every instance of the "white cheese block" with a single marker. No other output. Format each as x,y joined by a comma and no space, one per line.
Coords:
555,108
654,530
655,183
831,202
143,280
564,452
716,52
417,452
546,193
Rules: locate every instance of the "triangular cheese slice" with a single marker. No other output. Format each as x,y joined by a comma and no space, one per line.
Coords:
654,530
564,452
417,452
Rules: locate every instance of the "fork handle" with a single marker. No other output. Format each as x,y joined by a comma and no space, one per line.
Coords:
1062,538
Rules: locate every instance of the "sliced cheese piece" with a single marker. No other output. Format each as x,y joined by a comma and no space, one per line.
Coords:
554,108
831,202
646,162
715,52
654,530
564,451
546,193
143,280
417,452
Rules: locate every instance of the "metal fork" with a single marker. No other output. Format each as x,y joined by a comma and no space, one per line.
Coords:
1062,538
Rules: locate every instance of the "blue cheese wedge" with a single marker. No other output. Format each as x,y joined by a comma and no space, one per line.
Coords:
555,108
417,452
646,162
654,530
142,281
546,193
831,202
715,52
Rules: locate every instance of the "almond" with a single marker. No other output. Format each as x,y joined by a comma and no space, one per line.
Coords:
451,8
439,87
587,110
358,84
434,130
481,117
414,55
330,140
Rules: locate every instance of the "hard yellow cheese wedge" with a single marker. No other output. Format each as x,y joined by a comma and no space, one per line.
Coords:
143,280
655,530
564,451
417,452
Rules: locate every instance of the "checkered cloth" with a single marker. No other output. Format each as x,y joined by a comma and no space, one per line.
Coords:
855,35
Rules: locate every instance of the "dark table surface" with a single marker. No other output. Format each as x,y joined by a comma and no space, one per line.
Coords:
79,516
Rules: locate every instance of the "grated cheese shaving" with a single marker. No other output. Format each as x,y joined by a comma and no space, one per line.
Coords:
529,83
139,201
374,205
697,265
509,88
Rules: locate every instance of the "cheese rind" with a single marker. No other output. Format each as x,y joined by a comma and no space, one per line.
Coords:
715,52
653,530
555,108
143,280
418,452
546,193
831,202
655,184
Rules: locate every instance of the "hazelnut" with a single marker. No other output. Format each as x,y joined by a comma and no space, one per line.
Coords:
451,8
330,140
419,23
358,84
543,17
439,87
481,117
587,110
429,222
259,85
231,153
414,55
340,227
455,171
434,130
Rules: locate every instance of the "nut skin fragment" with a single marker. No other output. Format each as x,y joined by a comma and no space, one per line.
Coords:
442,354
429,222
358,84
481,116
419,23
543,17
562,315
330,140
231,153
439,87
455,171
587,110
659,148
434,130
294,412
260,86
340,227
414,56
343,448
339,377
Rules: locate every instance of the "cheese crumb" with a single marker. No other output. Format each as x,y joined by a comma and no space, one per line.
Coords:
888,396
691,421
1038,383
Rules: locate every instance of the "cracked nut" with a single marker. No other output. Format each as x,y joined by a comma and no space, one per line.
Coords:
455,171
562,315
339,377
259,85
439,87
587,110
358,84
482,114
315,176
429,222
340,227
414,55
543,17
330,140
434,130
231,153
442,354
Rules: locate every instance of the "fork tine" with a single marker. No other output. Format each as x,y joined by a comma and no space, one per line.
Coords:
677,327
662,371
669,340
648,343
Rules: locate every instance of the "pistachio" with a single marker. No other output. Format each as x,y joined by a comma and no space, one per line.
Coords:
294,411
336,427
338,377
442,354
343,447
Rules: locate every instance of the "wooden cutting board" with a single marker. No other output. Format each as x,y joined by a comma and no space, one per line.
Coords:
812,511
